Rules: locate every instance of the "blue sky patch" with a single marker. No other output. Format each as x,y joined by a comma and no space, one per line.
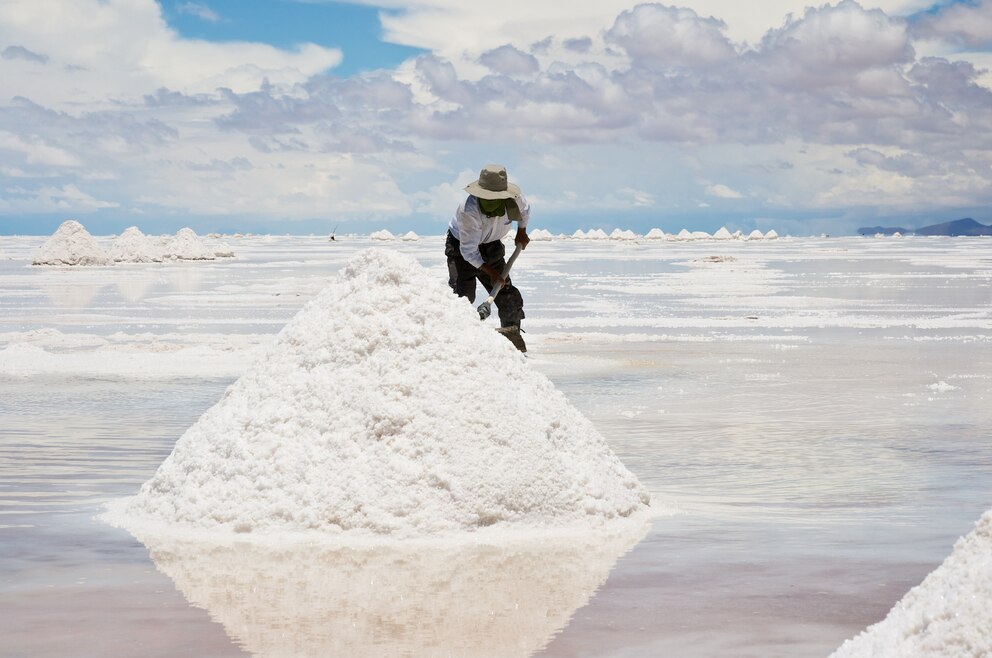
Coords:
354,29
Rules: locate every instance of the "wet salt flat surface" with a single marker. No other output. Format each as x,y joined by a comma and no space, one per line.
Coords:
811,418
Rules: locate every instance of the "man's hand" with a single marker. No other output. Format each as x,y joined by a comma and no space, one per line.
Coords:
495,274
522,238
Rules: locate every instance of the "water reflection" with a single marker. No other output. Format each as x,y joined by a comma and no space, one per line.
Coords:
134,286
508,599
73,295
186,278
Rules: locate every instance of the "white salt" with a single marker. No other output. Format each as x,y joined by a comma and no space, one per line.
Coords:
655,234
386,407
700,235
755,235
71,244
723,234
597,234
579,235
540,234
948,615
223,250
187,245
684,234
410,236
133,246
382,235
771,235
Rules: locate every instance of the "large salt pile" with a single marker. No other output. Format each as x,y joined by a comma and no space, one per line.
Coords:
187,245
386,407
948,615
133,246
71,244
382,235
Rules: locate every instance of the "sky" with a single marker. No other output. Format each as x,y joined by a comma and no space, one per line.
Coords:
306,116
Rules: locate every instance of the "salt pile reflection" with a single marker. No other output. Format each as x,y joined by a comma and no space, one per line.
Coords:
507,598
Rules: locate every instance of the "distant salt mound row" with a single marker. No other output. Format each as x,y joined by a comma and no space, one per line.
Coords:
619,234
71,244
355,421
382,235
187,245
948,615
133,246
410,236
541,235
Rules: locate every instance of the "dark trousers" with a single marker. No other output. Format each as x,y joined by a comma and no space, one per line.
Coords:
462,276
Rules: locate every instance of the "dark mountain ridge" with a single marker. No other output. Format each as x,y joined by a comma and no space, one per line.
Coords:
958,227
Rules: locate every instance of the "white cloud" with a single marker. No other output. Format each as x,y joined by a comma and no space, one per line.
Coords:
441,200
722,191
201,11
831,107
967,24
658,36
108,49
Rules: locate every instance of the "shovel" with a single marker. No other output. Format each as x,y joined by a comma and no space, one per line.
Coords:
486,308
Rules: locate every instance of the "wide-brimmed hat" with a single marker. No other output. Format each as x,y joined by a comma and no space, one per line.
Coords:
492,184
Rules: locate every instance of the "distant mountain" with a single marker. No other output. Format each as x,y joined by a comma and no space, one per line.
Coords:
884,230
966,226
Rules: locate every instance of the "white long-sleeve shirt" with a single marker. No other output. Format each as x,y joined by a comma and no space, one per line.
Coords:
471,227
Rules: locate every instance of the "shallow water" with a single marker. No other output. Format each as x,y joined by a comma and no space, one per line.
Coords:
811,417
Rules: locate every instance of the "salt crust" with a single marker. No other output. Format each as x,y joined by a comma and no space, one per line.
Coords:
386,408
71,244
133,246
946,616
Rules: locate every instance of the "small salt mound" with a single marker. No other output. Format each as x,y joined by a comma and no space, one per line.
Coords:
655,234
187,245
771,235
723,234
684,234
540,234
755,235
618,234
382,235
71,244
356,420
700,235
223,250
133,246
410,236
597,234
580,235
948,615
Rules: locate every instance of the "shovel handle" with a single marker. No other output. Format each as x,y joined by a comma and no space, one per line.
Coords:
485,308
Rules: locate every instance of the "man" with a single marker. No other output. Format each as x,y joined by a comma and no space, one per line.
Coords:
474,246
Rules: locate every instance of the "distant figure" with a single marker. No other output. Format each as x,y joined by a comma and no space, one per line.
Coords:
474,246
332,239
